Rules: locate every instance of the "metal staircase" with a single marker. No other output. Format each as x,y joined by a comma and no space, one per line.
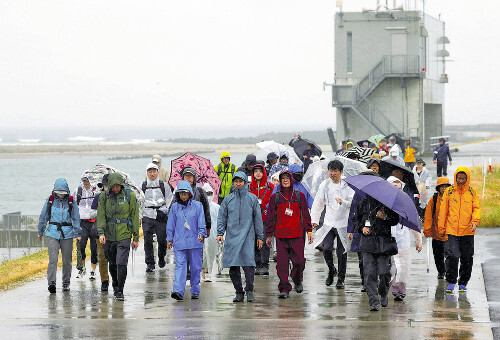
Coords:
356,96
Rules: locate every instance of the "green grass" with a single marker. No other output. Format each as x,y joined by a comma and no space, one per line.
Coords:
490,207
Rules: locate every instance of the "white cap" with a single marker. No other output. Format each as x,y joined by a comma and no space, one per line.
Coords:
152,166
155,160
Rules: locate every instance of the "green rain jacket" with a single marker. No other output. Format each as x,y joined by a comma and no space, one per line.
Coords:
225,173
117,215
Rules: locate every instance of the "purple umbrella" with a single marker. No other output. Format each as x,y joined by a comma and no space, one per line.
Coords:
388,195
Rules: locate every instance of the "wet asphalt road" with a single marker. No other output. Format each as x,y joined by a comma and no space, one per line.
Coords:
319,312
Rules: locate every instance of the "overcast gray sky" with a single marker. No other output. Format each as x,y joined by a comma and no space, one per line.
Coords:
208,62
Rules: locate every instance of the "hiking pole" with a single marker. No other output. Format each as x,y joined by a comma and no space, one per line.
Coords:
133,262
428,253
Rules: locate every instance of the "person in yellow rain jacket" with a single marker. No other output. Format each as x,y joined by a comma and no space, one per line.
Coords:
409,155
225,170
459,217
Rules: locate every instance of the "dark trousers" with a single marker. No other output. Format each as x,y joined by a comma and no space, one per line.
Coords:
360,264
341,254
377,270
117,255
438,252
86,235
442,169
262,257
235,275
290,249
459,248
151,227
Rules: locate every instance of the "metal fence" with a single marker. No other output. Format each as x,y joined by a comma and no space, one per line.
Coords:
19,235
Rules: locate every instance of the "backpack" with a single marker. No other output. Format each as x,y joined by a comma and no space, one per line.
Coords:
79,193
161,187
277,200
219,171
70,209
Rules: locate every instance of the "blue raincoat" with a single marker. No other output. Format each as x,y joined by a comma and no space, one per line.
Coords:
192,213
293,168
241,219
60,214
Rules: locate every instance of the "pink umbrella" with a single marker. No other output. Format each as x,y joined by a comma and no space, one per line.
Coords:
205,172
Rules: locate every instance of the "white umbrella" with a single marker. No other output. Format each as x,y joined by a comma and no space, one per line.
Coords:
266,147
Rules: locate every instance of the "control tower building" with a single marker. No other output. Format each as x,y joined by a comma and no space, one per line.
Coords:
389,74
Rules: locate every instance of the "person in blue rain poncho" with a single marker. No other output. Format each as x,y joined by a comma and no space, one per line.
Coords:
298,174
186,230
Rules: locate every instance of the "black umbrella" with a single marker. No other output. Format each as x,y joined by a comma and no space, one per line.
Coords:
388,166
399,141
300,146
360,142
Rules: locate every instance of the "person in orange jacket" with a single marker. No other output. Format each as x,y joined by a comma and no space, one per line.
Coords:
431,225
459,217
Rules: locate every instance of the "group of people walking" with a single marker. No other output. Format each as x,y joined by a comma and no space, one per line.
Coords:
255,214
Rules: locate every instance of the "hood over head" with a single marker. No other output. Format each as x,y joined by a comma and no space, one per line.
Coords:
466,171
442,181
240,175
61,185
183,186
224,154
264,174
393,179
394,151
294,168
291,178
156,158
115,178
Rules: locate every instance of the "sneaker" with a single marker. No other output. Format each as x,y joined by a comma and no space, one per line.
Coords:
398,298
81,273
340,284
283,295
176,296
150,268
462,288
384,301
239,297
104,286
65,287
440,276
92,275
258,271
207,278
52,288
299,288
250,296
119,296
450,288
374,308
161,262
265,275
195,296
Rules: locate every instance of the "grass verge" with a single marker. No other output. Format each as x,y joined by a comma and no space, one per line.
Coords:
490,207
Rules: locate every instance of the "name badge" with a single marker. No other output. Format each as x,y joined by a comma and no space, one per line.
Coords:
288,211
186,225
260,201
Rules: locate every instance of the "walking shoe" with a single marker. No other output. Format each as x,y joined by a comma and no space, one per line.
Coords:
384,301
462,288
374,308
65,287
104,286
176,296
299,288
150,268
450,288
119,296
331,275
195,296
81,273
265,275
340,284
239,297
440,276
207,277
363,289
283,295
161,262
250,296
258,271
398,298
92,275
52,288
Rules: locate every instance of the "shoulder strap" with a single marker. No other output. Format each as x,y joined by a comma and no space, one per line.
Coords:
434,197
162,187
144,187
297,194
79,193
219,170
49,205
127,193
70,203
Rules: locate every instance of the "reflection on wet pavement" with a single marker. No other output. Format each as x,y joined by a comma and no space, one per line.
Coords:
319,312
